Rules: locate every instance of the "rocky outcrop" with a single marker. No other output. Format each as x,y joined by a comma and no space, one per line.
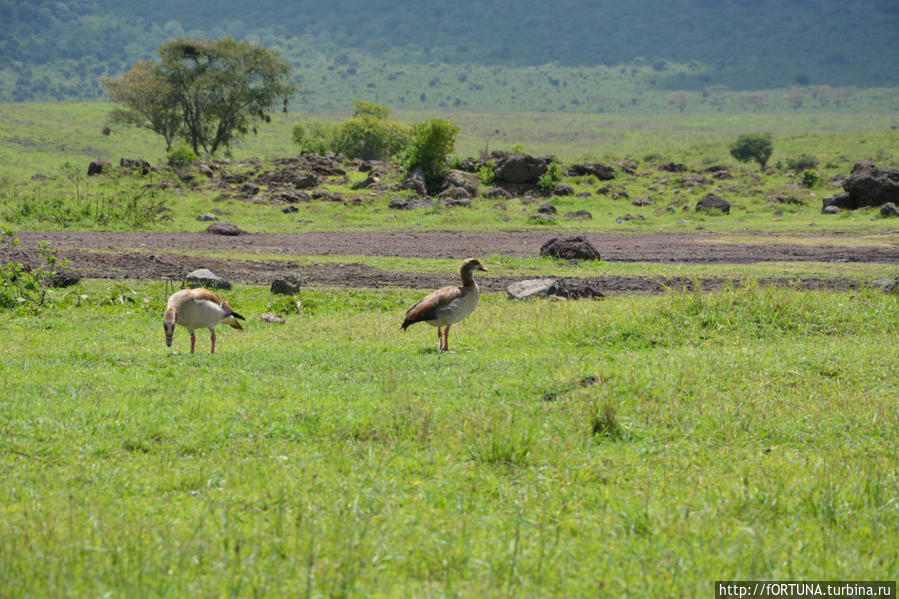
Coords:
871,185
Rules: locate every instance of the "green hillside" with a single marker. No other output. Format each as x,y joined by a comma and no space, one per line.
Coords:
433,53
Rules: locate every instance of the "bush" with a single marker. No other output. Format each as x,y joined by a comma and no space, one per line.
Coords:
809,178
180,155
23,286
313,136
432,142
551,178
801,163
752,146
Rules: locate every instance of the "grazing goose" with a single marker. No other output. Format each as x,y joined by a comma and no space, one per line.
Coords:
197,309
447,306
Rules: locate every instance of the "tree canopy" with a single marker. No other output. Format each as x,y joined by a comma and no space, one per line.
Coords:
207,92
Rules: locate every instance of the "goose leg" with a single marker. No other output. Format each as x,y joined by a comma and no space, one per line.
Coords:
213,341
439,339
193,340
446,338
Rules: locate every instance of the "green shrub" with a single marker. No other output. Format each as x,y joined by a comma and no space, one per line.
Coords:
753,146
23,286
486,175
550,178
810,178
432,142
313,136
801,163
180,155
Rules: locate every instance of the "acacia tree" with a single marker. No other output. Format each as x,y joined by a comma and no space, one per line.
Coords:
148,101
217,89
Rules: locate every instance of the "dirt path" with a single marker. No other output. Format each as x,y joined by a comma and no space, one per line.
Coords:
161,255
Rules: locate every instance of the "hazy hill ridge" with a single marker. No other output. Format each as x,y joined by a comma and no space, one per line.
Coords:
58,50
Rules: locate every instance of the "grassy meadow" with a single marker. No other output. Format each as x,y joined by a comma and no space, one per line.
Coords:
636,446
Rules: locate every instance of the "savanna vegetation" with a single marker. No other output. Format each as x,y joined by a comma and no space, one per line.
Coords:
635,446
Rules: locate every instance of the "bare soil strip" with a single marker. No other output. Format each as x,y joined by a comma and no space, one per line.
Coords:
160,256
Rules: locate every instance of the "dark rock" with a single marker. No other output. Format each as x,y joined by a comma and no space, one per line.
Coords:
96,167
289,209
460,180
870,185
842,201
641,202
575,289
713,202
204,277
324,194
889,209
367,182
628,167
458,203
455,192
542,218
570,248
398,204
497,192
248,189
415,181
546,208
288,285
135,164
579,214
600,171
224,228
628,217
519,168
672,167
563,189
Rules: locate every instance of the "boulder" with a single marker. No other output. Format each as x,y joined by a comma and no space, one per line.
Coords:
415,180
203,277
570,248
546,208
889,209
870,185
575,289
135,164
600,171
458,203
713,202
224,228
831,210
460,180
288,285
96,167
519,168
532,288
563,189
672,167
841,201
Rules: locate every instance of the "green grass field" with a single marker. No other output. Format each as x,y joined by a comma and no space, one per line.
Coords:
738,434
630,447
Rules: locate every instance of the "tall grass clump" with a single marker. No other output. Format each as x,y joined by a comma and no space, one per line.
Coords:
114,201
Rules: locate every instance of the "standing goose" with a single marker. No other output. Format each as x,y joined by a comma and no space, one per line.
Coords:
198,309
447,306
